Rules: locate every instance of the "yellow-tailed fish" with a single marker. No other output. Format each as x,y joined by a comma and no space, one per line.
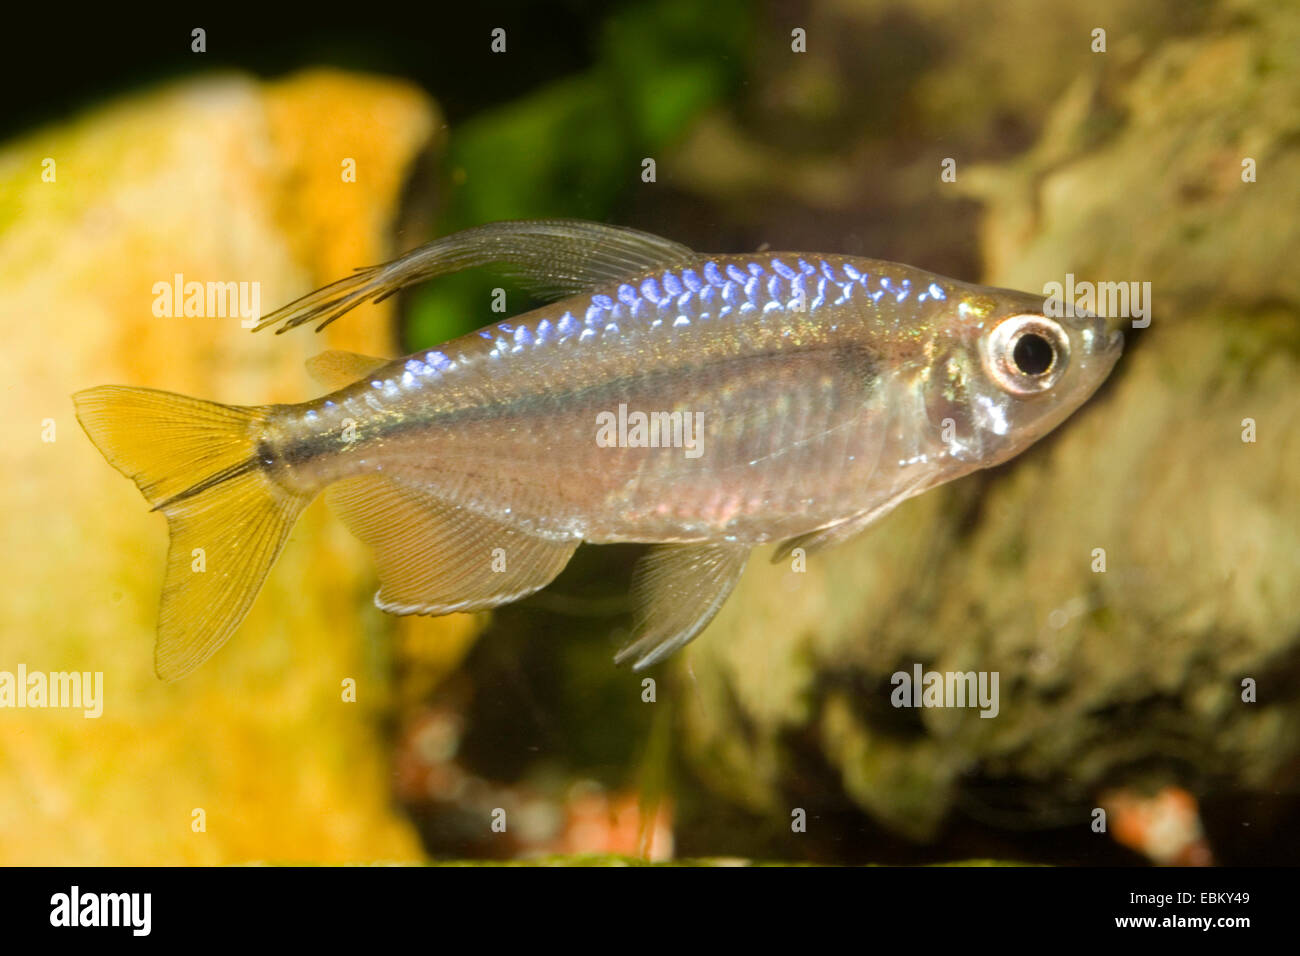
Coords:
702,403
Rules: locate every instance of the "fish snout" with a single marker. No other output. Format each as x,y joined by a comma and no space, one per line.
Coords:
1102,338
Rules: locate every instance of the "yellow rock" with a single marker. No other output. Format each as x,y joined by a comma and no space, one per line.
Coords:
221,180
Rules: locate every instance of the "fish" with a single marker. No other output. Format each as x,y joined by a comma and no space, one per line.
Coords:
705,405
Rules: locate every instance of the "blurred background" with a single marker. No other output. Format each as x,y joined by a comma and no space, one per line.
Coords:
1119,140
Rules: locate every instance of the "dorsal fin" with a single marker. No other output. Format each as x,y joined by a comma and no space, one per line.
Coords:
553,257
336,368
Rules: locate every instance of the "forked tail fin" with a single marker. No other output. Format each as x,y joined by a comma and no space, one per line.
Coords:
197,463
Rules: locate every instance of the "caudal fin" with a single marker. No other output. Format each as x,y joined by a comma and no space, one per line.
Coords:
197,463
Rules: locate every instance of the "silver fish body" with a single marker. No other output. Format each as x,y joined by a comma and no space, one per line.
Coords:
819,386
707,404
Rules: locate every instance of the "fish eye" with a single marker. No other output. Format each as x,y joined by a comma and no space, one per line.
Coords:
1033,354
1026,354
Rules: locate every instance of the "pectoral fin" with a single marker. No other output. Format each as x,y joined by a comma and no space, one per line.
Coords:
827,537
336,368
554,257
678,588
435,558
848,528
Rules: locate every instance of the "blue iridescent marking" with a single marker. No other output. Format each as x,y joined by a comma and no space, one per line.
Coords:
692,280
729,293
805,267
594,314
587,334
755,269
713,275
627,294
936,290
611,329
680,321
543,330
408,379
774,287
736,273
852,273
376,384
650,289
523,336
827,271
783,269
568,324
311,414
820,298
672,284
602,301
485,333
747,307
751,288
504,326
774,306
329,404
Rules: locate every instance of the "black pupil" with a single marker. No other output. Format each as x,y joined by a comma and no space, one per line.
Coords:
1033,354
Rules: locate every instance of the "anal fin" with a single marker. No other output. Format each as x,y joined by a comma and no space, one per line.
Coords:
678,588
435,558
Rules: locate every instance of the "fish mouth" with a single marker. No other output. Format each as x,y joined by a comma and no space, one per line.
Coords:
1107,338
1112,346
1102,345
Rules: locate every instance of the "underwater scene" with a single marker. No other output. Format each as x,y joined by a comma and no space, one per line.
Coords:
830,432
